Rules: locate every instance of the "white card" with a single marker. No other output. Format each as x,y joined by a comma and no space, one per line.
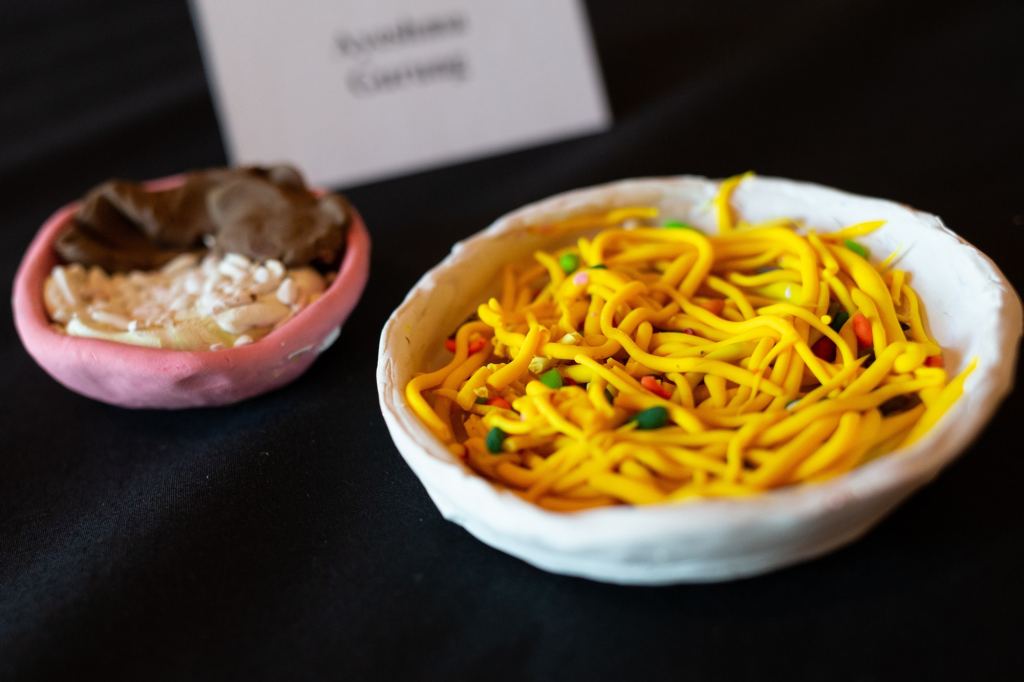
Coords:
357,90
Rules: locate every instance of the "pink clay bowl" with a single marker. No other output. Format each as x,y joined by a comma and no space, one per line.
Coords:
137,377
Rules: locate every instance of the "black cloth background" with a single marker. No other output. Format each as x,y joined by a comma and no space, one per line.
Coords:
285,538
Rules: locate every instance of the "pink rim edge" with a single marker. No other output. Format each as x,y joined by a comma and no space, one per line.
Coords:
134,376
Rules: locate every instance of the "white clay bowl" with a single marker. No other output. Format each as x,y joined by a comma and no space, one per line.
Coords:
972,312
133,376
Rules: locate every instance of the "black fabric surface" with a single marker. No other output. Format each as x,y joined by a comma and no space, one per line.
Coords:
285,538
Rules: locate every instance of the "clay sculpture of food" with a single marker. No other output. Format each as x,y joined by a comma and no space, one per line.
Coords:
207,263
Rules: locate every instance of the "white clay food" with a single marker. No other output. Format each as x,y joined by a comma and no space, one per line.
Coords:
191,304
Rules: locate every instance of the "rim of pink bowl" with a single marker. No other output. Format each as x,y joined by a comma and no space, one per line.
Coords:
315,321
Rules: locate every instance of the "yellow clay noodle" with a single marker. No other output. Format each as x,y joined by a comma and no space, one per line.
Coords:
651,362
